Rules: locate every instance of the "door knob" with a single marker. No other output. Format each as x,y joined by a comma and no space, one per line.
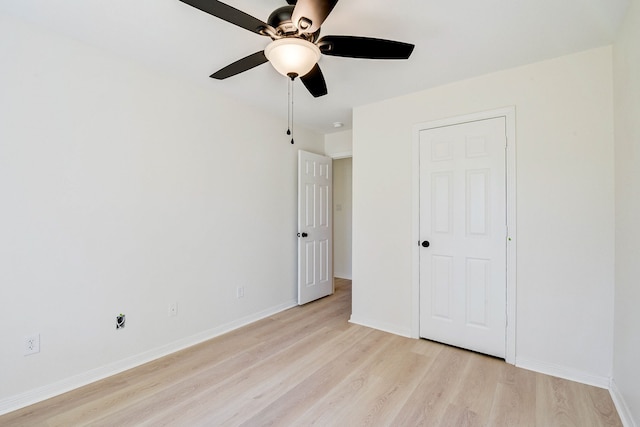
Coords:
302,234
425,244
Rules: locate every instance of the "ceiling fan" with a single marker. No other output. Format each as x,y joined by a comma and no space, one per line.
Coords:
296,47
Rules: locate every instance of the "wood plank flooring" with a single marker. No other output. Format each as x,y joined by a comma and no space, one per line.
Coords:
309,366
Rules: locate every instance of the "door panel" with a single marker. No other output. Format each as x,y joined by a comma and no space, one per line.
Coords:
463,216
442,285
315,256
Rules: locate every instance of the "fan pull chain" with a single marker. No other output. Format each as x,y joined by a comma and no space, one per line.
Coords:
291,110
290,107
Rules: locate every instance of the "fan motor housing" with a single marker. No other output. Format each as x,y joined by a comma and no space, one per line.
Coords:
280,19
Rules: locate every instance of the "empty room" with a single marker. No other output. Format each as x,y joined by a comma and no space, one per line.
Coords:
319,212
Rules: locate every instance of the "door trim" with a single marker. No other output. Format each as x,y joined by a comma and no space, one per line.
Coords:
509,113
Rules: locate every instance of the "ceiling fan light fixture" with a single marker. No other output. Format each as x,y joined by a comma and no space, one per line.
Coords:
292,56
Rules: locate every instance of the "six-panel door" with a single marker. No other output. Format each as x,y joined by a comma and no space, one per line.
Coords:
463,217
315,251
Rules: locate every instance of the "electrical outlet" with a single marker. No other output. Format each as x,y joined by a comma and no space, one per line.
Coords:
173,309
31,344
240,292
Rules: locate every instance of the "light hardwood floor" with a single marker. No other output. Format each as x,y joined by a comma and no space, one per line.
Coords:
309,366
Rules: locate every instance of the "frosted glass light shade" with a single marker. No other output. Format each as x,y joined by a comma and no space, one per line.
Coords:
292,55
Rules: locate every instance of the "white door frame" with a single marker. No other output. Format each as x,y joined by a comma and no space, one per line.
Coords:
509,113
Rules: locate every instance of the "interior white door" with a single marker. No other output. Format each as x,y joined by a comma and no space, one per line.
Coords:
315,249
463,235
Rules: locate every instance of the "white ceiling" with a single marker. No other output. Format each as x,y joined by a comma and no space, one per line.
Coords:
455,39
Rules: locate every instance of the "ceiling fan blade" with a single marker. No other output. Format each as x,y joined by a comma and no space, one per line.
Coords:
364,47
229,14
314,82
309,15
241,65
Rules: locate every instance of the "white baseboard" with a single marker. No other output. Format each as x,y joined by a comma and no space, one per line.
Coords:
39,394
382,326
563,372
621,405
342,275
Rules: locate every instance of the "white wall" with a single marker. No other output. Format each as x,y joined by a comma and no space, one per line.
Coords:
339,145
342,217
565,207
123,190
626,369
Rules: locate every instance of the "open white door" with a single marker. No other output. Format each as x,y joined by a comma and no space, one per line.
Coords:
315,249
